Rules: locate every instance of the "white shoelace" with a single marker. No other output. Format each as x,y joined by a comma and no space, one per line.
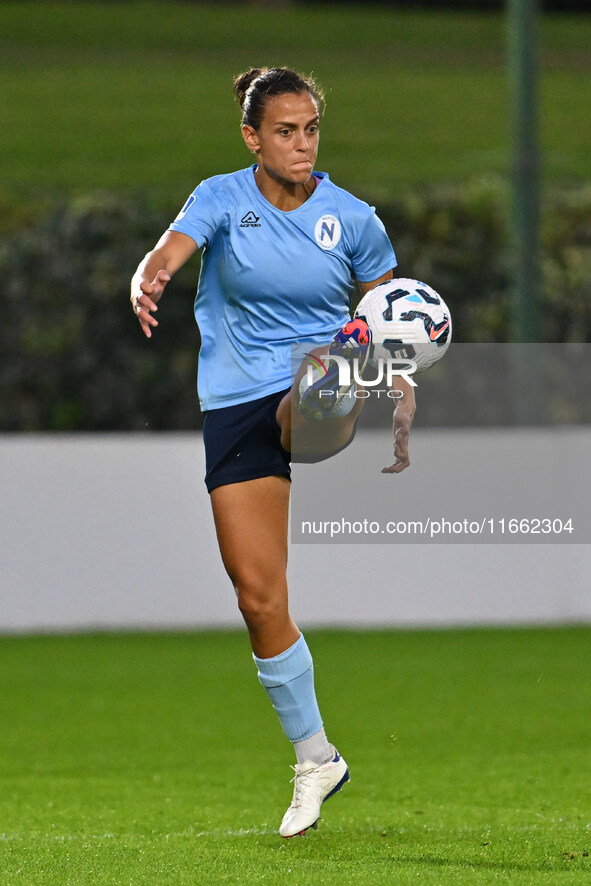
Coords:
302,781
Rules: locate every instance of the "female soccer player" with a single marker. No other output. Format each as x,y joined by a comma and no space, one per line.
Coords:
281,244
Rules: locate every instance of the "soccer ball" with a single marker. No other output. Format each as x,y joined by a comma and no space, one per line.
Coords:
408,320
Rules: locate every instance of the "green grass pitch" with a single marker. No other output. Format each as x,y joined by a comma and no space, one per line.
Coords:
156,759
136,96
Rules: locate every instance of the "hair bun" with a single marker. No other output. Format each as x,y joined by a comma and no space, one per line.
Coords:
256,87
243,81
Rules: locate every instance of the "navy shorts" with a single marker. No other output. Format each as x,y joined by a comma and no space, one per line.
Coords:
243,442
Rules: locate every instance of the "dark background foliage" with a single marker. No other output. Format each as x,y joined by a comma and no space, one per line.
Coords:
73,356
477,5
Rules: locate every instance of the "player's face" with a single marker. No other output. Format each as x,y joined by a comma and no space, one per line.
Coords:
286,142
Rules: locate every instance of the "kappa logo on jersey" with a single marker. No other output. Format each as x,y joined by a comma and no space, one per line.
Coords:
327,231
250,220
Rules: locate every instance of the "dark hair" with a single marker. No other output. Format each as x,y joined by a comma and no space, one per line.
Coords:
252,88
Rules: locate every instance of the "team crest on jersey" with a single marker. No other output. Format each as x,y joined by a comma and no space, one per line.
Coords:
250,220
327,231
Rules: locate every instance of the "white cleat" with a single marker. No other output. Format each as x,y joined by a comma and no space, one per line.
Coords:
313,785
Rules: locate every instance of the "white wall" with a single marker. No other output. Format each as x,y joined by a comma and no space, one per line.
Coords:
115,531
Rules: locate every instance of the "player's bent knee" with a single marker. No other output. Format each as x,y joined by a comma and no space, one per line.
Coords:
259,609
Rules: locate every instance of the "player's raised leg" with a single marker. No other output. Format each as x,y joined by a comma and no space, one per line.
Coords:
318,420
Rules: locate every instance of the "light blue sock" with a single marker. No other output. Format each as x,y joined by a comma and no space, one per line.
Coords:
289,681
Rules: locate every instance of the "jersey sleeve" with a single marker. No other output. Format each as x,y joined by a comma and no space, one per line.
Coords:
201,215
373,254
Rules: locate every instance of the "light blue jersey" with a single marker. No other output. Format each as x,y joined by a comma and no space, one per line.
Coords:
270,279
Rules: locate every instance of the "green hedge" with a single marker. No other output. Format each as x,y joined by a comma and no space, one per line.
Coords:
73,354
73,357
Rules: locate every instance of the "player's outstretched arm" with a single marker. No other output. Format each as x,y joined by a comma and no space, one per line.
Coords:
402,421
153,273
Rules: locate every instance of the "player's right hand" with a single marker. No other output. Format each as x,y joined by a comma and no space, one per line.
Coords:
144,300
